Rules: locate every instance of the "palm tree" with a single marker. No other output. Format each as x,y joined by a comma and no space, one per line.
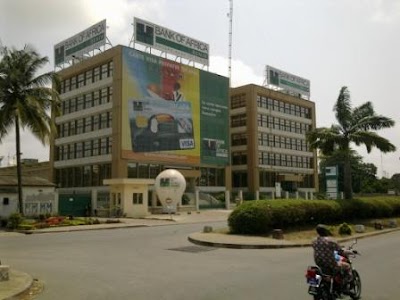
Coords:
25,99
356,125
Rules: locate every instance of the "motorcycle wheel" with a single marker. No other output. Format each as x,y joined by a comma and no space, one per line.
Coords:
325,295
356,286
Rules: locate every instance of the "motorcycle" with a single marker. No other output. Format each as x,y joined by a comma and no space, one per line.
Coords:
331,287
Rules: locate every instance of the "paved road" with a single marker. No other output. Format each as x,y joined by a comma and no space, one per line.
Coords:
157,263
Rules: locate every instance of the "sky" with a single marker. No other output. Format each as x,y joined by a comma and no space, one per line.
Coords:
333,43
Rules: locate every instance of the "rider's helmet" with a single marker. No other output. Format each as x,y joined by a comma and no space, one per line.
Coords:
323,230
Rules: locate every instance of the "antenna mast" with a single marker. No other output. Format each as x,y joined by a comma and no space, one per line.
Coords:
230,15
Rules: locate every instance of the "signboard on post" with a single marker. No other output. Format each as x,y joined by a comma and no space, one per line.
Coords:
332,188
288,82
167,40
83,42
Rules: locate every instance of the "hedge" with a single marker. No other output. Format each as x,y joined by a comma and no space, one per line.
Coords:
262,216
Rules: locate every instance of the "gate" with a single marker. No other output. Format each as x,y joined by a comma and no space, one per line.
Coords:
77,205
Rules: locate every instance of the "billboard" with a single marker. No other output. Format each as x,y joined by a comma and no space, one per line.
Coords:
288,81
167,40
173,112
83,42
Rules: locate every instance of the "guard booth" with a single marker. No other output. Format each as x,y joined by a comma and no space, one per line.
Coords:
129,197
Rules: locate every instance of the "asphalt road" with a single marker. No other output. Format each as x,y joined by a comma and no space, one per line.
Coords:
159,263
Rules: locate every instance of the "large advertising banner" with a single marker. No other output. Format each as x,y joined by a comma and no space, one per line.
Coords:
166,104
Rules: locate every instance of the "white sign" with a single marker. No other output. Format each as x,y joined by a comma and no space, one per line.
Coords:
288,82
83,42
164,39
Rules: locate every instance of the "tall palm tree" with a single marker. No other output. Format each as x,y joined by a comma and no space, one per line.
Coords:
356,125
26,99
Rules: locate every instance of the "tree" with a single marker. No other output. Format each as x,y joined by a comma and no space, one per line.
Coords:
26,99
355,125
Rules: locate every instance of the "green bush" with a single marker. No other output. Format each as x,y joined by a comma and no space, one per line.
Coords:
14,220
253,217
26,227
344,229
262,216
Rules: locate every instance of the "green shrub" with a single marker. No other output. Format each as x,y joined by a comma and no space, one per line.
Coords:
344,229
14,220
253,217
26,227
261,216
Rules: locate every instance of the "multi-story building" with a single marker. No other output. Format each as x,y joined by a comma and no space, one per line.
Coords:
268,142
129,114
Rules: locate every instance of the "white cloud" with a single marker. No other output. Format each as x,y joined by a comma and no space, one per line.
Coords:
385,11
241,73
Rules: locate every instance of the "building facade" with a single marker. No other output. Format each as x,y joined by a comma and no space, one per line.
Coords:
268,142
130,114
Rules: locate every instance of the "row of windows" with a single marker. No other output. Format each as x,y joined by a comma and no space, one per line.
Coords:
283,107
86,78
238,139
83,149
238,120
84,125
208,177
83,176
270,140
284,160
238,101
274,159
282,124
268,179
87,100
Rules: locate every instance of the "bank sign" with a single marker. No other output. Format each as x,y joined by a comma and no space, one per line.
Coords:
288,81
83,42
169,41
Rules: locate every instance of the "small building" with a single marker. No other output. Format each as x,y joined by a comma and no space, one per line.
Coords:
39,196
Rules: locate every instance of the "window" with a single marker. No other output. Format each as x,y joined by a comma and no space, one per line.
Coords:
79,103
96,74
73,83
238,120
96,98
79,126
88,100
87,148
137,198
6,201
81,80
89,77
238,101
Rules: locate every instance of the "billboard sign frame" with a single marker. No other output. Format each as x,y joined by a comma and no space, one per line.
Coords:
171,112
288,82
87,40
167,40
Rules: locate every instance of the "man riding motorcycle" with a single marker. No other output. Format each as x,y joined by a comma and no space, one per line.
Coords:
325,255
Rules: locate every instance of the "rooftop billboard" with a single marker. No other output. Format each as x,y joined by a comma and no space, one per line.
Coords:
167,40
83,42
288,82
174,113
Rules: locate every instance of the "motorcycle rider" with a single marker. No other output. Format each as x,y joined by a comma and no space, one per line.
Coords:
324,254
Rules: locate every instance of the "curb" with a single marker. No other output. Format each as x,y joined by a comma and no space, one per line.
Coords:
73,229
244,245
18,291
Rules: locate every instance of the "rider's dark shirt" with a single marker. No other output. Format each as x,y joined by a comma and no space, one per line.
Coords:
324,257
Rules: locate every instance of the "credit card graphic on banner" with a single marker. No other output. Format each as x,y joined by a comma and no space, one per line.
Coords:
160,125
